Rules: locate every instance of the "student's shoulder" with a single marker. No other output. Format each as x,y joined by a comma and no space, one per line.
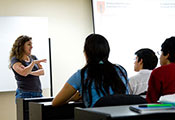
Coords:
118,66
133,78
160,70
77,73
76,77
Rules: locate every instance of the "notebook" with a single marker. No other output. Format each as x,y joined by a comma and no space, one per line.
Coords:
153,108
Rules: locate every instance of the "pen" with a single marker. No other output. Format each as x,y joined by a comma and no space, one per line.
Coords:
156,105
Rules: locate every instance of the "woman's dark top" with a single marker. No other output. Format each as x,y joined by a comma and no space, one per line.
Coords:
30,82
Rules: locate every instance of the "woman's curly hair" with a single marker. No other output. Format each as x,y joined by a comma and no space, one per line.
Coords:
18,47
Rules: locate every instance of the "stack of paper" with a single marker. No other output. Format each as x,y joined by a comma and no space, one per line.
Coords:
167,99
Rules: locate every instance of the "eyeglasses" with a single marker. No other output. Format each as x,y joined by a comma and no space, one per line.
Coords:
135,58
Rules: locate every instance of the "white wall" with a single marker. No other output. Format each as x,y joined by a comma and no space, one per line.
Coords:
70,21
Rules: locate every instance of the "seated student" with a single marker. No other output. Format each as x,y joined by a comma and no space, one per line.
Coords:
145,62
97,78
162,79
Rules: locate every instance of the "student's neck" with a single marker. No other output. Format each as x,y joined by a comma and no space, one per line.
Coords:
168,62
140,68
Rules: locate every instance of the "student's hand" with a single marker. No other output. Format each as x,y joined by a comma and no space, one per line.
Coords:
64,95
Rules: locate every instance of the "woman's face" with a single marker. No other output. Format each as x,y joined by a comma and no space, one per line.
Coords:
28,48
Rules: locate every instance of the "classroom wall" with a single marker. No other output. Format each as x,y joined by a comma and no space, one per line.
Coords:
70,21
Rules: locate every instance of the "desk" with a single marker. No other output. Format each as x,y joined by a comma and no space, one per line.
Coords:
117,113
22,105
45,111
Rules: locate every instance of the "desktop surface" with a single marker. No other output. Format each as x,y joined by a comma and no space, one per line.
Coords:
113,111
118,113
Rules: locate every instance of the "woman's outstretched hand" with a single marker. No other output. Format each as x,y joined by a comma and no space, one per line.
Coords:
39,61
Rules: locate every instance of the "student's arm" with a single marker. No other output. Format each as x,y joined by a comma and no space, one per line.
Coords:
154,87
130,84
64,95
24,71
76,97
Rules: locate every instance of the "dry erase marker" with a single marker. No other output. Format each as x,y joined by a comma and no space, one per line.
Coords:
156,105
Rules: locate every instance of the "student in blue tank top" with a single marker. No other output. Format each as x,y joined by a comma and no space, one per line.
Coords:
97,78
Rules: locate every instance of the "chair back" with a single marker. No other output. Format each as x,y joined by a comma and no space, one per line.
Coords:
120,99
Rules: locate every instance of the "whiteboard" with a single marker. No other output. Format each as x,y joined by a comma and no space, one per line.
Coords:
10,29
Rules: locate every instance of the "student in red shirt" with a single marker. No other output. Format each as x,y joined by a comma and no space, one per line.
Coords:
162,79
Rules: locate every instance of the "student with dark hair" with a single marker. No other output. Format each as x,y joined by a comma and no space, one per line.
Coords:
97,78
145,62
26,67
162,79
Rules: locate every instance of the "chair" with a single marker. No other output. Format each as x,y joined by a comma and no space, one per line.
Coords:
120,99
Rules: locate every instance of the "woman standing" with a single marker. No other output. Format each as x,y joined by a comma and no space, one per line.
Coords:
26,68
